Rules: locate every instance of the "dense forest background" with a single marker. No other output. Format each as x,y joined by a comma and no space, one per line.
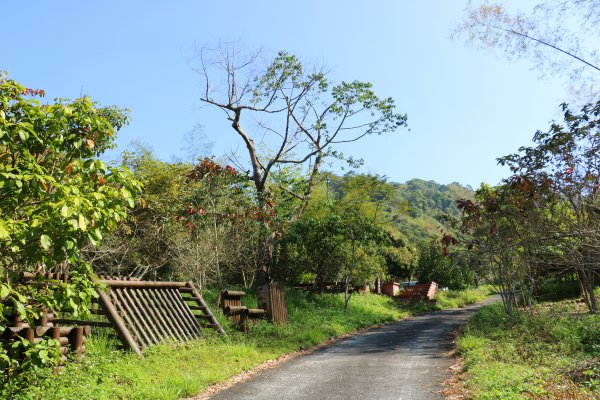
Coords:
199,221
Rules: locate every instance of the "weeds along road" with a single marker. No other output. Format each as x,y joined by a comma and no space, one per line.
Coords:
405,360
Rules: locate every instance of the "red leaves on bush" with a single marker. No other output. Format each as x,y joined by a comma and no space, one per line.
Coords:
34,92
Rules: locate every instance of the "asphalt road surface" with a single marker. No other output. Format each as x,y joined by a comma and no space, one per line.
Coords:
406,360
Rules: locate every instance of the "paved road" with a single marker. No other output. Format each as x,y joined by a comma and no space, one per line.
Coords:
405,360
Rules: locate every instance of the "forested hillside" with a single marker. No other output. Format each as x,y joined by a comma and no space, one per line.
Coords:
414,206
425,201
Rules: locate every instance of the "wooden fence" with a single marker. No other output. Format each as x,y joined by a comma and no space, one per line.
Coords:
144,313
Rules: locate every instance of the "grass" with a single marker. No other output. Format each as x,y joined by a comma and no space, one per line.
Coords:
460,298
176,371
551,352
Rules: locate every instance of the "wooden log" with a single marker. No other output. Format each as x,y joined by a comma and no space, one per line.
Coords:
162,329
180,314
244,325
29,334
188,316
131,316
256,312
235,310
63,340
141,284
125,314
140,312
233,293
76,339
99,324
233,301
58,331
167,324
271,297
172,311
174,327
200,308
143,307
12,332
43,320
214,323
113,316
163,302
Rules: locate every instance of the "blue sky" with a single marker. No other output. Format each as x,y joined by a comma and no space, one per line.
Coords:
465,107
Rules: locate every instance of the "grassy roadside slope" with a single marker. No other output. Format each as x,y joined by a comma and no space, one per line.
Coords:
552,352
176,371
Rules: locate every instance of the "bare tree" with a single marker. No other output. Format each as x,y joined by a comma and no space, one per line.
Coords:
558,37
296,112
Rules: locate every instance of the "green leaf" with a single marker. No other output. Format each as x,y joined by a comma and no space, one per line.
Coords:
64,211
4,291
81,222
45,242
43,355
4,233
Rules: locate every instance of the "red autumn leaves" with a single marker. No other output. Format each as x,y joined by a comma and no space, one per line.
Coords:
226,183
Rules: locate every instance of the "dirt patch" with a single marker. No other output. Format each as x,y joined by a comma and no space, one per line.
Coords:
454,387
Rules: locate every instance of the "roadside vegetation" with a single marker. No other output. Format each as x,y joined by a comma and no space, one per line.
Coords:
64,210
447,299
176,371
551,351
274,214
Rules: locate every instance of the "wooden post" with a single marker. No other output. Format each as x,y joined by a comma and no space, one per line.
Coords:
76,340
271,297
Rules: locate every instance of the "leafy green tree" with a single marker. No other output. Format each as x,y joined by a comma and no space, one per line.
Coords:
56,195
152,241
562,170
434,265
301,115
399,254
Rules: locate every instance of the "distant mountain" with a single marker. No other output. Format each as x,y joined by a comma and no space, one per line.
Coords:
422,203
414,206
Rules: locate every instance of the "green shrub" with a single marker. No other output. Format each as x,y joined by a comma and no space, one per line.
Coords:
532,354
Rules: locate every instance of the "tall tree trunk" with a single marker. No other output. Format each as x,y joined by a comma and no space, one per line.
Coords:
347,293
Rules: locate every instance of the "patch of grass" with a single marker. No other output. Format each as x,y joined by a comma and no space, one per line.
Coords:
547,353
176,371
460,298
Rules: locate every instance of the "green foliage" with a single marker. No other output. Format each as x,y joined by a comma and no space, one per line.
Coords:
55,196
434,265
346,234
178,371
55,193
445,299
420,204
556,290
330,246
534,354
